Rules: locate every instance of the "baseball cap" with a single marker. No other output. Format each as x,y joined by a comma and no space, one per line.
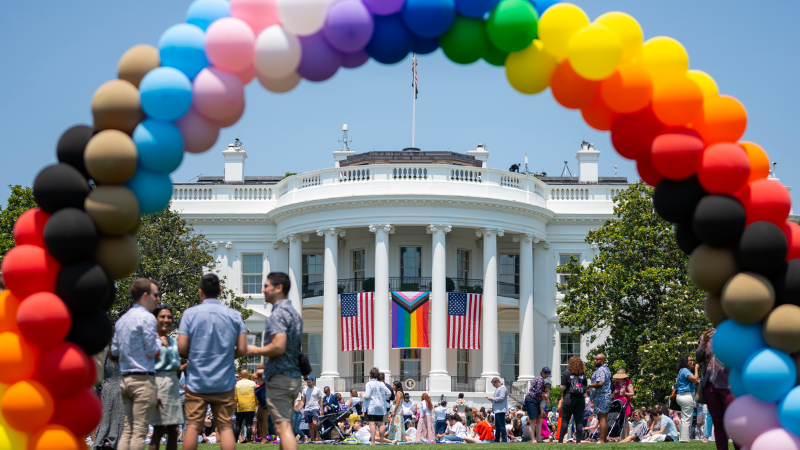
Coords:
546,369
310,377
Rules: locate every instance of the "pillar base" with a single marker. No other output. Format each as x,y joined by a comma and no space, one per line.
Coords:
439,383
323,381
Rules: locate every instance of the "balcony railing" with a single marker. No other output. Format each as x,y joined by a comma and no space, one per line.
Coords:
509,290
467,384
343,385
414,284
413,382
314,289
468,285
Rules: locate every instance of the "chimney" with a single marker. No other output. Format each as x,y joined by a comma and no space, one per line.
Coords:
480,153
234,162
587,163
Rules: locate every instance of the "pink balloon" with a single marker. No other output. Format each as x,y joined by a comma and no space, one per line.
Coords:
748,417
259,14
247,75
232,119
199,134
230,43
218,95
384,7
776,438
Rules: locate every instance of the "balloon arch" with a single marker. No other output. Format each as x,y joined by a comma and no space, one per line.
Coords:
682,133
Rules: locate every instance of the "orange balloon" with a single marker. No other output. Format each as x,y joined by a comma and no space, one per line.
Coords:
598,115
759,161
628,90
27,406
572,90
677,101
8,311
723,119
54,437
17,358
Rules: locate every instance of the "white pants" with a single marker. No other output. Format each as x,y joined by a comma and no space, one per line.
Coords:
686,402
655,438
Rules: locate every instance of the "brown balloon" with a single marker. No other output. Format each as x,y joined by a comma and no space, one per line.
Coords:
114,209
782,328
714,310
711,267
136,62
111,157
748,297
118,255
135,229
115,105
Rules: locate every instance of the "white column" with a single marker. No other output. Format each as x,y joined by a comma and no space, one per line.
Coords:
544,282
526,369
295,242
439,378
490,346
330,352
382,326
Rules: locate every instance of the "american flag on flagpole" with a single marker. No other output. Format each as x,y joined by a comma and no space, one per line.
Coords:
414,71
464,320
357,321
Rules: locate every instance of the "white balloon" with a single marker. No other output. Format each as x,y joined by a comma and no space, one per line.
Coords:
285,84
303,17
277,53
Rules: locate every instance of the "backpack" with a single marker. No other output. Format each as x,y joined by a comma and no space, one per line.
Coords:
577,385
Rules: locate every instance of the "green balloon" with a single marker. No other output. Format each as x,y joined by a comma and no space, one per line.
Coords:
494,56
465,42
512,25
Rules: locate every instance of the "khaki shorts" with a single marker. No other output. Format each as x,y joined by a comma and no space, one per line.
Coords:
281,392
222,404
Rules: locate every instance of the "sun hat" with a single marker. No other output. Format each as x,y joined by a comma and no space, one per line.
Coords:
621,374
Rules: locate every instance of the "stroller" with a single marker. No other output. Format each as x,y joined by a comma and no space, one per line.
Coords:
615,420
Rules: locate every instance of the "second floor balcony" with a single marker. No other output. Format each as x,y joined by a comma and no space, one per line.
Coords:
412,284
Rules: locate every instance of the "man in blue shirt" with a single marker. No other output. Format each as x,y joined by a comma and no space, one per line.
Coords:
499,407
532,400
213,335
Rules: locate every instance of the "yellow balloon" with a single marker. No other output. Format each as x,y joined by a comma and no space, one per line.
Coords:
10,439
664,58
557,25
595,52
628,30
706,83
529,70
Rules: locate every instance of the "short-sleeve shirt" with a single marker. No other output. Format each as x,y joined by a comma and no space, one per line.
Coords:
245,396
670,429
537,387
312,396
440,412
213,329
602,374
284,319
684,386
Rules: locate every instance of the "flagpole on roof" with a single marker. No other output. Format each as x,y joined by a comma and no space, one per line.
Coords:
414,99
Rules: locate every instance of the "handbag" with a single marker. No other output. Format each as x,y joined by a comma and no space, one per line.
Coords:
699,395
673,400
305,365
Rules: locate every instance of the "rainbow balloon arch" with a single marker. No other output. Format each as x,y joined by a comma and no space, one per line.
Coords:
730,217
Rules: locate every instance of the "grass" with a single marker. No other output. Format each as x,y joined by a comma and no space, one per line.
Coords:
516,446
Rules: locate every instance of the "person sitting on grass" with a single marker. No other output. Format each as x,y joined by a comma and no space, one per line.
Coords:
591,425
638,426
484,432
208,435
455,431
663,427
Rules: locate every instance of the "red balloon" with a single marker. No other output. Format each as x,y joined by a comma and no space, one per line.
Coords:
766,199
647,172
725,168
677,153
44,319
633,134
79,413
27,269
792,232
63,369
91,374
572,90
29,227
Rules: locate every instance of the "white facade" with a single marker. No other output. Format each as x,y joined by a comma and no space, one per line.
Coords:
478,226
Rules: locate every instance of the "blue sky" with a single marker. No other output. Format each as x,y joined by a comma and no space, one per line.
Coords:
55,54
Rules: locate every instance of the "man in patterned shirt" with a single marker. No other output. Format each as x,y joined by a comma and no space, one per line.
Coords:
532,403
283,333
601,393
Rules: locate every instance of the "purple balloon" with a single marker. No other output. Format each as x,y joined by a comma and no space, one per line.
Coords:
353,60
348,26
384,7
320,61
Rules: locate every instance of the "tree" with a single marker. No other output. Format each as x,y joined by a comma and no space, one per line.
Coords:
20,200
637,294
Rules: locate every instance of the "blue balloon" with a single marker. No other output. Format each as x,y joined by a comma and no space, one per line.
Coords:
391,41
202,13
429,18
166,93
475,8
735,380
734,342
160,145
152,189
423,45
542,5
789,411
769,374
183,46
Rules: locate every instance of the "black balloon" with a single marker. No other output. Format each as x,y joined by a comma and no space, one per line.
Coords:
762,248
70,236
687,240
60,186
786,282
718,220
91,332
84,286
111,297
71,146
675,201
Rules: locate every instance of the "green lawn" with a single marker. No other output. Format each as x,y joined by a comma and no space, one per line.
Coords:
516,446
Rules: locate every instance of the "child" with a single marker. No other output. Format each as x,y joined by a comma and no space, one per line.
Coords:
545,400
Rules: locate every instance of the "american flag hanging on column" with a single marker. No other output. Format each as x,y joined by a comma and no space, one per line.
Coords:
357,321
464,320
414,72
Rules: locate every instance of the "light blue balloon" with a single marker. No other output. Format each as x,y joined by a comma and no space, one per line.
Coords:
769,374
542,5
475,8
429,18
734,342
160,145
789,411
152,189
183,46
203,12
735,381
166,93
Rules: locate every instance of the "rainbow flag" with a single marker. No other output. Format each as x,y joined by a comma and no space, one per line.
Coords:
410,319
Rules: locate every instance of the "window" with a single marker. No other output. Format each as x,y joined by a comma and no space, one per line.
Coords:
563,260
252,272
312,347
358,366
509,356
463,264
410,262
359,264
252,361
570,346
509,275
312,275
410,362
462,365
